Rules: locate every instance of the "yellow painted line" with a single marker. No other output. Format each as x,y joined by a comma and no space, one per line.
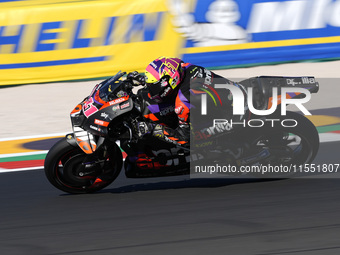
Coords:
256,45
9,146
15,146
323,120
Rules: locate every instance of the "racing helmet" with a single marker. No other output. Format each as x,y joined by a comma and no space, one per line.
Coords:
162,77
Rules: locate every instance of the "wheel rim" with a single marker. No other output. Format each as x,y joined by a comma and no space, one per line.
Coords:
65,174
73,174
294,145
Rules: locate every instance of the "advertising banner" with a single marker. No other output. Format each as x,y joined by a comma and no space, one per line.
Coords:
77,40
222,33
43,41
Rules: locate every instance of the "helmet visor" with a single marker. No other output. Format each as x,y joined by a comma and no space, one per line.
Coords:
157,88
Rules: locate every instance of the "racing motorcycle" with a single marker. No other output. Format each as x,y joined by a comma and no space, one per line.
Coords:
91,157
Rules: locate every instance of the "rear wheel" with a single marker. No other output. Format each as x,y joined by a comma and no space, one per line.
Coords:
67,168
293,145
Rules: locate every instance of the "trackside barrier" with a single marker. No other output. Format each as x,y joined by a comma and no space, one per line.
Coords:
43,41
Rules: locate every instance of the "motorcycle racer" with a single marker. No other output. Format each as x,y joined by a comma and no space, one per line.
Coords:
89,158
169,79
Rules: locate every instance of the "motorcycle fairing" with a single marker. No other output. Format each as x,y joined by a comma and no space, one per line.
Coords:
99,122
151,157
94,114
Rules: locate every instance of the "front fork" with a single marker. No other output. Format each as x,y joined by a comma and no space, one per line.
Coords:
94,161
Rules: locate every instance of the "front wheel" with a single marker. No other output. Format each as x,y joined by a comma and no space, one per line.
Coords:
67,169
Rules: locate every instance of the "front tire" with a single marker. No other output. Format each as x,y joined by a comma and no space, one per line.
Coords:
65,170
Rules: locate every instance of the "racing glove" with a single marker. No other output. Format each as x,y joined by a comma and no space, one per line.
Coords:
142,128
136,78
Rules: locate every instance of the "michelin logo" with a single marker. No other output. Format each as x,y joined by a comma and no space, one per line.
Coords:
220,23
221,28
293,15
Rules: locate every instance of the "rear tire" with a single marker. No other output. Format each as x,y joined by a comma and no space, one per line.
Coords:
308,135
291,146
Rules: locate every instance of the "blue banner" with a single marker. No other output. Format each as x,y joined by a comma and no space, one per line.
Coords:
241,32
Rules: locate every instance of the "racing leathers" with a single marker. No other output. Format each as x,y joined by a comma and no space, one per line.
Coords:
187,98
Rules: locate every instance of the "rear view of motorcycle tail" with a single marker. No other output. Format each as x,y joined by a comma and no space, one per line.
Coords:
257,132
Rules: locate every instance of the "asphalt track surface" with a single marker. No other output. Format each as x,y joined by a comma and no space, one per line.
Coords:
174,215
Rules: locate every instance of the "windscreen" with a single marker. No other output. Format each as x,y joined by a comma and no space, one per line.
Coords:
110,87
